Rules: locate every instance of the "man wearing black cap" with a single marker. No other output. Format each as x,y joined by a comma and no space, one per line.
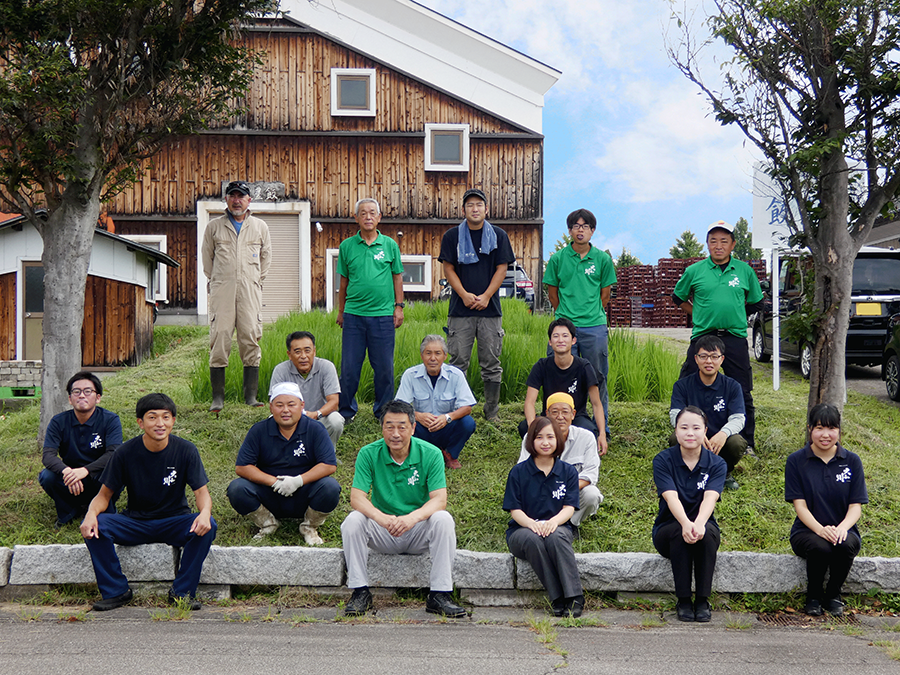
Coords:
476,255
236,254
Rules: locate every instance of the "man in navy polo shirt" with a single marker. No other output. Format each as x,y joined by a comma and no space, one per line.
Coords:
284,468
77,446
720,398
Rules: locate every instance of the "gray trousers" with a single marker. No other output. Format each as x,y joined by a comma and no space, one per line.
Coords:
334,425
437,536
552,559
462,331
588,502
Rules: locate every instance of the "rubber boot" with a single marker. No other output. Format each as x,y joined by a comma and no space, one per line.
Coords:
492,401
217,378
251,386
265,521
309,527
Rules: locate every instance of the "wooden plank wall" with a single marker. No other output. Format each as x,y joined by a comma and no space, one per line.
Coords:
118,324
7,316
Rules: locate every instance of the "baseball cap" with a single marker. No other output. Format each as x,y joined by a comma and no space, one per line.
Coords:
474,192
720,225
238,186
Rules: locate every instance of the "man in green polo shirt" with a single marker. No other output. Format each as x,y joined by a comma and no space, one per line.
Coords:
399,501
718,293
370,307
579,280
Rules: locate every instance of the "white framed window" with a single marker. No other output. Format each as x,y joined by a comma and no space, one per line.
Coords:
446,147
416,275
156,281
353,92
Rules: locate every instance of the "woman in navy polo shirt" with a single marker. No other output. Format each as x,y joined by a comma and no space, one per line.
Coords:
826,484
689,480
541,496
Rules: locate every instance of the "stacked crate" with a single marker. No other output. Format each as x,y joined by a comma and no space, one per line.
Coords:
634,296
668,272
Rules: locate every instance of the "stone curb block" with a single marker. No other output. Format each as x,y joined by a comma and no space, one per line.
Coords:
71,564
6,555
869,573
475,569
274,566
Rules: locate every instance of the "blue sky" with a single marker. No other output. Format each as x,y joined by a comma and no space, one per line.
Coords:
626,135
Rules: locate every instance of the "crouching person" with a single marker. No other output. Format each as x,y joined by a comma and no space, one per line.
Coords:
154,468
399,497
284,468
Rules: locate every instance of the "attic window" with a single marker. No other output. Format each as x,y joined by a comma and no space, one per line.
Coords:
353,92
446,147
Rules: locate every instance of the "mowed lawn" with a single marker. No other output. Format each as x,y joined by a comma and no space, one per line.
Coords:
755,518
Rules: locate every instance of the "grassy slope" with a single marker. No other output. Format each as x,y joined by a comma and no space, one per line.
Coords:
755,518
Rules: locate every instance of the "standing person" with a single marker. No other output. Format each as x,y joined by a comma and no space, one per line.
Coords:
285,468
317,379
579,280
825,483
442,400
476,256
77,446
236,253
541,496
370,307
721,400
719,293
573,375
399,501
689,480
154,468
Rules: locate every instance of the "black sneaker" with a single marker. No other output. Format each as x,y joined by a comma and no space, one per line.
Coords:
439,602
192,603
834,606
114,602
360,602
813,607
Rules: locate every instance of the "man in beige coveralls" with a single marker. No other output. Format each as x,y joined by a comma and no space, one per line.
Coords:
236,254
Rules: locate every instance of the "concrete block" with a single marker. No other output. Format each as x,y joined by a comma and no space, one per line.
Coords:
6,555
71,564
869,573
481,597
610,572
401,571
274,566
744,572
473,569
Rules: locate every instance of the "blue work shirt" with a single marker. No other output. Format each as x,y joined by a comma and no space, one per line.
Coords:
828,489
268,450
82,445
541,497
723,398
671,473
449,393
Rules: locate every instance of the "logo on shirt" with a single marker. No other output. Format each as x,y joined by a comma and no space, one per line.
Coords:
300,450
412,480
701,484
590,270
573,387
379,255
844,476
170,479
97,442
720,405
560,491
734,283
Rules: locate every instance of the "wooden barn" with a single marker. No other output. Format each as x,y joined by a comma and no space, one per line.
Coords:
355,98
126,278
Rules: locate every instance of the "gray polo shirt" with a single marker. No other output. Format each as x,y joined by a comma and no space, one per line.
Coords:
321,381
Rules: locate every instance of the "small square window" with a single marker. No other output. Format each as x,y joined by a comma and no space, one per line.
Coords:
353,92
446,147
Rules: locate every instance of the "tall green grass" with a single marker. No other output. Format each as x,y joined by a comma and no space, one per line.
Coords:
639,371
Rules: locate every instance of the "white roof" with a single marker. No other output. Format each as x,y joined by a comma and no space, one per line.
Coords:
436,50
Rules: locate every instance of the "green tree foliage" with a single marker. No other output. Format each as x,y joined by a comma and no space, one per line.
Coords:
815,85
562,242
743,246
687,246
626,259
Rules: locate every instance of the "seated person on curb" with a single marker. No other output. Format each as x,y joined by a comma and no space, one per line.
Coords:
720,398
572,374
442,400
154,468
579,448
399,497
540,497
284,468
317,379
77,446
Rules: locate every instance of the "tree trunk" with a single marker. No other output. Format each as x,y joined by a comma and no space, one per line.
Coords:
68,237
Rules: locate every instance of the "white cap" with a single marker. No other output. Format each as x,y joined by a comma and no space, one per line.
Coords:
720,225
288,388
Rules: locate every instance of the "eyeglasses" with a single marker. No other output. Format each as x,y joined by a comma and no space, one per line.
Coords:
78,392
580,226
710,357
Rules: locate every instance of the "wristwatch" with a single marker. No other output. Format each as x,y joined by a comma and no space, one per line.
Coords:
318,414
401,305
449,419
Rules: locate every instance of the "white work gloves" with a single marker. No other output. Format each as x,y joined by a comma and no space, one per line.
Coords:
287,485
